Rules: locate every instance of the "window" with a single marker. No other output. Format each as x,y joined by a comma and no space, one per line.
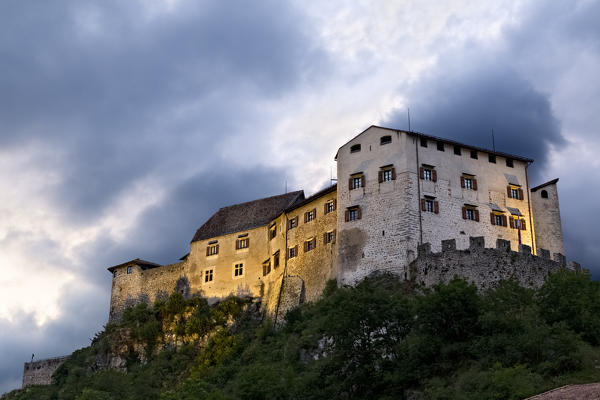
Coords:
329,237
238,269
470,213
387,173
356,181
243,242
474,154
427,173
310,215
497,219
492,158
129,269
292,223
423,142
385,140
353,213
212,248
355,148
293,251
310,244
330,206
509,163
114,273
518,223
514,192
544,194
209,275
468,182
440,146
457,150
429,204
266,267
272,232
276,259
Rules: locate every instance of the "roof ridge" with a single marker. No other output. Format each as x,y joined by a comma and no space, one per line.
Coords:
262,198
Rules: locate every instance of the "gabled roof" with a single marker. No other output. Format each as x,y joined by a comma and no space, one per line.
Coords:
552,182
439,139
244,216
143,264
320,193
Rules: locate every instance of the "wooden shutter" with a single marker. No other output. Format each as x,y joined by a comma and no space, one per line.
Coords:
434,175
314,213
335,204
247,242
504,223
359,213
380,176
492,219
393,174
436,207
305,217
523,227
422,172
521,194
305,247
362,181
464,212
512,222
314,242
350,184
476,212
474,184
334,234
347,214
423,208
207,247
296,250
325,238
296,218
462,182
508,192
325,208
237,244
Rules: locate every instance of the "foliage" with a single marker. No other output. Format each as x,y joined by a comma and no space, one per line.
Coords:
376,340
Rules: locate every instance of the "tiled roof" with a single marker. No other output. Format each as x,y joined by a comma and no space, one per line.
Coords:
139,262
244,216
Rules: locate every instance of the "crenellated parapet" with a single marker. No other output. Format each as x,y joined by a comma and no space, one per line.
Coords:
484,266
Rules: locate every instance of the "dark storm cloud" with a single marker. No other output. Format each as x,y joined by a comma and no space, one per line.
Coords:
115,91
465,102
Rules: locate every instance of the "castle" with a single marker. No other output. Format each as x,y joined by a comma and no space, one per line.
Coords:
396,190
424,208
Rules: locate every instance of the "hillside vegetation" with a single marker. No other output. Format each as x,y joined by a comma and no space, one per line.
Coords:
379,340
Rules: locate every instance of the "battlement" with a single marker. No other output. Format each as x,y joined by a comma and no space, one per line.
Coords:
484,266
40,372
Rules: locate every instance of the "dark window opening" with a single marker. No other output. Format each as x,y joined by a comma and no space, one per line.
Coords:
423,142
355,148
457,150
492,158
385,140
544,194
440,146
509,163
474,154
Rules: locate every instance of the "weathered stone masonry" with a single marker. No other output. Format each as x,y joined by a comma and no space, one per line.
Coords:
40,372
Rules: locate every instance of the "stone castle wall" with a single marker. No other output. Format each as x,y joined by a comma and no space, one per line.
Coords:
40,372
482,266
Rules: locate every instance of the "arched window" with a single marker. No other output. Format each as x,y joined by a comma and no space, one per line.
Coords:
355,148
544,194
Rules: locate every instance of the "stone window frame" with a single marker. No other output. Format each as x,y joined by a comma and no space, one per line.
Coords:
242,242
329,237
470,213
430,204
353,213
310,215
238,269
208,275
212,248
310,245
292,223
428,173
515,192
468,181
330,206
292,252
387,173
498,218
356,181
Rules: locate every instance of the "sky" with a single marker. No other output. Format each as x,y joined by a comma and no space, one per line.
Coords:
125,125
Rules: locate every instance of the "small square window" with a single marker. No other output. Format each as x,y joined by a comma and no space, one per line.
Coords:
293,252
292,223
309,216
423,142
492,158
329,237
266,267
212,249
353,213
309,245
355,148
509,163
457,150
356,182
329,207
209,275
440,146
474,154
243,243
385,140
238,269
129,269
